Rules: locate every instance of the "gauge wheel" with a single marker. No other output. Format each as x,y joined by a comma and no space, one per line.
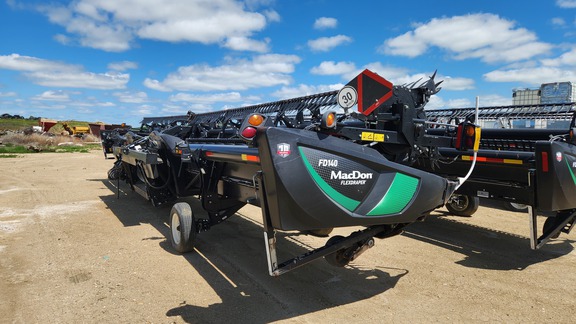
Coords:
182,227
462,205
549,224
321,232
516,206
337,258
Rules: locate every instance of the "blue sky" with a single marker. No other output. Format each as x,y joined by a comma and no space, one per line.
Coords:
121,60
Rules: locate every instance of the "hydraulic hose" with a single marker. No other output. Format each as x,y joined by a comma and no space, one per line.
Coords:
462,180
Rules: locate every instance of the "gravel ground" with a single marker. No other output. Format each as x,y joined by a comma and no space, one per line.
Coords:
71,251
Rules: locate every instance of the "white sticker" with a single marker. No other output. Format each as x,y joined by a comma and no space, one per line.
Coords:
483,194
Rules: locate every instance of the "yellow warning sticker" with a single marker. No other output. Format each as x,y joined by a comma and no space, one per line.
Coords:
378,137
367,136
372,137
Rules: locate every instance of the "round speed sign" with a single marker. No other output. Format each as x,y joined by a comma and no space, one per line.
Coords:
347,97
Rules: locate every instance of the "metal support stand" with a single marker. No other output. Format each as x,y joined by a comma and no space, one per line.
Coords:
564,222
361,238
118,188
533,227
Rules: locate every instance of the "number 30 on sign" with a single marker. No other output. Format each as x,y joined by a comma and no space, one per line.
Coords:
347,97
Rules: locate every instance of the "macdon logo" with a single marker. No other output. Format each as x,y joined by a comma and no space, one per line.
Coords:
352,178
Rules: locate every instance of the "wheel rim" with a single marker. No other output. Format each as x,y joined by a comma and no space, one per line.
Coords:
459,203
175,227
518,206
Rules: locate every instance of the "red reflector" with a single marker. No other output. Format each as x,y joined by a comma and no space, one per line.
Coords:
209,153
459,137
249,132
544,161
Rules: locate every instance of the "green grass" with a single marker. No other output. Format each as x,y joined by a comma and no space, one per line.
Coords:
14,149
21,124
8,156
74,149
16,124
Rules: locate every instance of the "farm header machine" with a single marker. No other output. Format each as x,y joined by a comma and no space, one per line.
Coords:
365,156
118,135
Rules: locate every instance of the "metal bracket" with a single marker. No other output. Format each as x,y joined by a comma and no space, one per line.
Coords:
361,238
276,269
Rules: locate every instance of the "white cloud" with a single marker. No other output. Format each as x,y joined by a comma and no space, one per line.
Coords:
566,59
325,44
459,103
211,98
493,100
102,81
114,25
448,83
201,108
396,75
241,43
30,64
144,110
8,94
122,66
52,96
455,84
304,90
94,34
58,74
557,21
566,3
534,73
333,68
132,97
207,30
325,23
533,76
239,74
62,39
92,103
156,85
484,36
272,16
435,102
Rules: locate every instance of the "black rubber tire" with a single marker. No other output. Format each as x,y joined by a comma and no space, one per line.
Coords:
516,207
549,224
463,205
113,174
321,232
336,259
182,227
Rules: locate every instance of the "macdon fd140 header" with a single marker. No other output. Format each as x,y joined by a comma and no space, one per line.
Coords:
311,164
